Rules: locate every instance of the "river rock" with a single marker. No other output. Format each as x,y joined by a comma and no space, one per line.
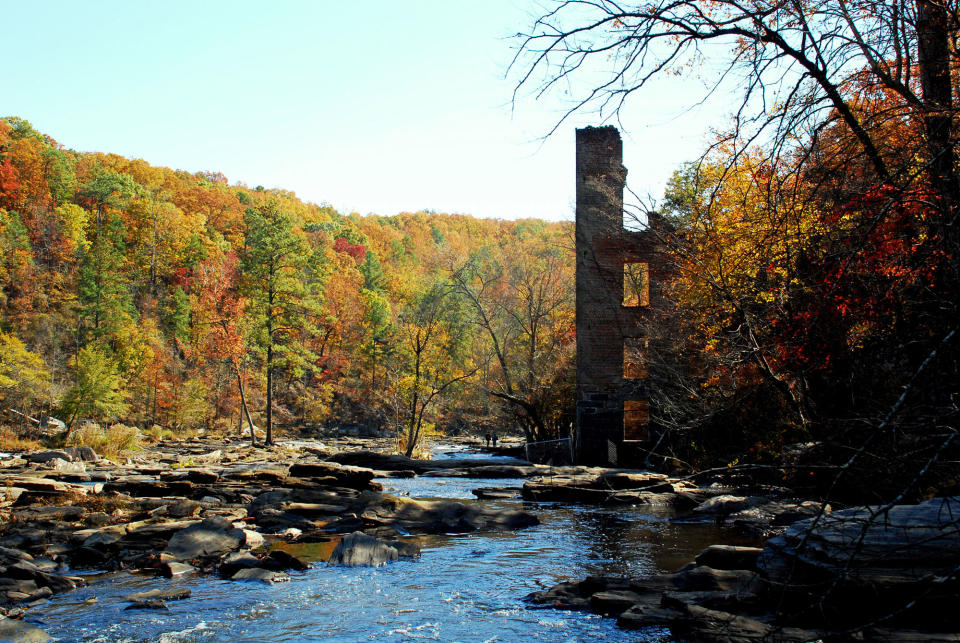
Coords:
337,474
644,615
11,494
212,536
405,548
613,603
769,517
172,594
47,456
870,562
202,476
16,631
253,539
719,507
280,559
699,578
271,473
564,489
232,563
184,508
383,461
259,574
422,516
729,557
496,493
65,466
20,586
631,480
84,454
149,604
45,485
174,569
360,549
212,457
69,513
104,538
8,555
25,570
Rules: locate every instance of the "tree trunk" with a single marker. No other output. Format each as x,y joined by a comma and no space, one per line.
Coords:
243,408
933,54
268,439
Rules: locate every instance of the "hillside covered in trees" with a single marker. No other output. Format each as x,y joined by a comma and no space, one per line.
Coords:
151,297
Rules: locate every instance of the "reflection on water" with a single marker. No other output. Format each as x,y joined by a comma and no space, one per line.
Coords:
464,587
459,452
430,487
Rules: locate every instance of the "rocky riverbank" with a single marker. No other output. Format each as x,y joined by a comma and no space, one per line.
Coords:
211,507
862,574
225,508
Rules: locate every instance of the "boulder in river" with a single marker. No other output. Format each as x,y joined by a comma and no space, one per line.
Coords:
362,550
147,604
213,536
15,631
259,574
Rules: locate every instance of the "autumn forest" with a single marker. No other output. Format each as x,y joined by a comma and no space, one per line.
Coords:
150,297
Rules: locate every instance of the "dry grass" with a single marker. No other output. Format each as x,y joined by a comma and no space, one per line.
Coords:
111,443
12,440
157,433
95,502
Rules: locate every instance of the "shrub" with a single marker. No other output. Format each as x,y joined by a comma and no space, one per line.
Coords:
112,442
157,433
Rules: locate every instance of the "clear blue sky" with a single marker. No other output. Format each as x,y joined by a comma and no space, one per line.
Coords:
380,106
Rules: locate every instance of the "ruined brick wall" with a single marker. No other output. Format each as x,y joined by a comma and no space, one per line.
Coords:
604,323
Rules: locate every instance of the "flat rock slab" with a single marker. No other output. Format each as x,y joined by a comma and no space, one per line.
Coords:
643,615
341,475
496,493
871,560
272,473
67,513
45,485
213,536
630,479
729,557
725,505
175,594
47,456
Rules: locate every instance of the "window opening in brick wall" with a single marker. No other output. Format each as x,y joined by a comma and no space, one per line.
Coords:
636,284
636,418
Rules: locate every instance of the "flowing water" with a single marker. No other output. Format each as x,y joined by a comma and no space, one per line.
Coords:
463,587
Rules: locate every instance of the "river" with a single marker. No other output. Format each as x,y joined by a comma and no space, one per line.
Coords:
463,587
